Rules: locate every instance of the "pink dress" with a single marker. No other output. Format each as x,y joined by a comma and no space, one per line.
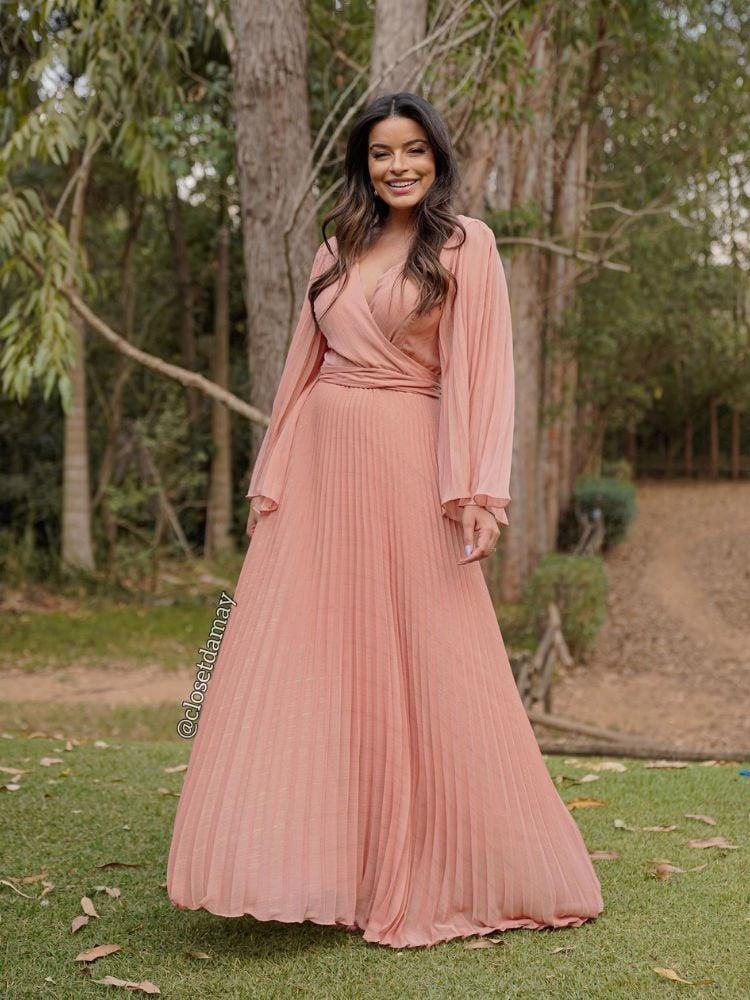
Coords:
362,754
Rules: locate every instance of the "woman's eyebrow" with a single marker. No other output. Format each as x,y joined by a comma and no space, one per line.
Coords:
386,146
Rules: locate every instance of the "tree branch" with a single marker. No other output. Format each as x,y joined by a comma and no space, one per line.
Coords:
182,375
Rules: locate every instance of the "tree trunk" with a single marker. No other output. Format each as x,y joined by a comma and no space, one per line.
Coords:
735,444
186,300
123,370
522,177
272,146
77,546
399,25
631,451
219,513
689,433
713,446
673,446
560,369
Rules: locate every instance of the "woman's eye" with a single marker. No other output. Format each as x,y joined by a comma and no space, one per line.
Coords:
419,152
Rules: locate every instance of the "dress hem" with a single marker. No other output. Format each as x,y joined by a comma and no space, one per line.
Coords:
516,923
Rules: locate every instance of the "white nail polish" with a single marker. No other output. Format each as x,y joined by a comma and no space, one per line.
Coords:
468,549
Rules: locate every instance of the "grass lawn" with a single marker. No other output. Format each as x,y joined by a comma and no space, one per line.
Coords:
108,804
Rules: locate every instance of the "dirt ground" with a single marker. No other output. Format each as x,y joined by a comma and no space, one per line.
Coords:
672,662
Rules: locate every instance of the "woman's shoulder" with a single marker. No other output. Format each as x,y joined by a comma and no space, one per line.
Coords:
328,248
477,235
477,230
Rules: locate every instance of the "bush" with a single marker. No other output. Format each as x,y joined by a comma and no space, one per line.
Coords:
579,587
613,498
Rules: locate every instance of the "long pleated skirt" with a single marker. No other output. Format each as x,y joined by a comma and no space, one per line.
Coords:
362,754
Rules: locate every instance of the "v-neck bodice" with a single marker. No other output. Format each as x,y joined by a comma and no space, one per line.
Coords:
379,335
369,299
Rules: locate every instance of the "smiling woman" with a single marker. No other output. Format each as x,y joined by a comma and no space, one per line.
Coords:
402,166
363,757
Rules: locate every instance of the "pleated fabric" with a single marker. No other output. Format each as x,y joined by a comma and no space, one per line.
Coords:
363,756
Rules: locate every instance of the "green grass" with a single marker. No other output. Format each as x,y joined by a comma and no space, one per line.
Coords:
98,623
97,636
105,804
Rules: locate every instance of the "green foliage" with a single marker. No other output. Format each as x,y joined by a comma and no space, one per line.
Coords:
36,342
579,587
670,182
84,79
613,500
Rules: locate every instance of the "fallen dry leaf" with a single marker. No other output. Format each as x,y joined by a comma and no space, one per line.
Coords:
605,855
14,770
606,765
484,942
192,953
119,864
704,819
46,761
666,763
78,922
664,870
660,829
29,879
175,769
671,974
713,842
584,803
88,907
98,951
113,892
144,987
562,947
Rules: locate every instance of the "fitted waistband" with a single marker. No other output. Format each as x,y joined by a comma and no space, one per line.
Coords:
378,378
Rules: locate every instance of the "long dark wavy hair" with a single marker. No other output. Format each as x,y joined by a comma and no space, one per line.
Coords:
359,213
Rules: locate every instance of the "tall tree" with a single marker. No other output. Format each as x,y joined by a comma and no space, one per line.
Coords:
273,152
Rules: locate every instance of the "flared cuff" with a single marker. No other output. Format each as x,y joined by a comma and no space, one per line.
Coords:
495,505
266,503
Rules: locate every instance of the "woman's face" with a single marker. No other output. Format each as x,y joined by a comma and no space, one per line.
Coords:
398,151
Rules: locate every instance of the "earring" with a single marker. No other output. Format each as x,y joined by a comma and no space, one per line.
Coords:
374,192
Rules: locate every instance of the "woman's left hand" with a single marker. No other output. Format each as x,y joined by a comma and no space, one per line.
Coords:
479,519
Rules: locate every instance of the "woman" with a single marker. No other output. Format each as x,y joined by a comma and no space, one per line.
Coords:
363,758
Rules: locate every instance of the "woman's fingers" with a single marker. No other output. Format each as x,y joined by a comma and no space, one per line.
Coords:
252,520
477,519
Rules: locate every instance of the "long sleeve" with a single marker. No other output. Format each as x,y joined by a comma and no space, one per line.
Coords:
475,444
302,363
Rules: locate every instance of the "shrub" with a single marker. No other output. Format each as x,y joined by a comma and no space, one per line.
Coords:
613,498
579,587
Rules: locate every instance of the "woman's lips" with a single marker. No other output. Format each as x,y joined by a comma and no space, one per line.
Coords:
401,189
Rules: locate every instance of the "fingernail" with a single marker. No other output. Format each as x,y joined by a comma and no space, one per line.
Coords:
468,549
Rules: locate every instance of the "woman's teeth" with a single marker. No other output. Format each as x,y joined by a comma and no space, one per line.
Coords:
400,185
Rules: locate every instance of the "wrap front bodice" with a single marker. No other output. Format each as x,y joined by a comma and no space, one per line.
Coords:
459,352
391,350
